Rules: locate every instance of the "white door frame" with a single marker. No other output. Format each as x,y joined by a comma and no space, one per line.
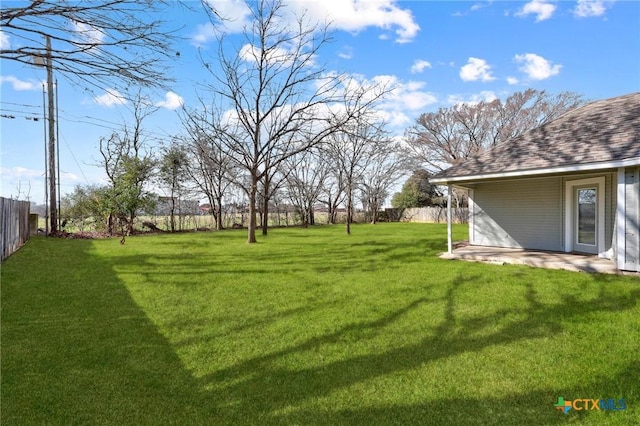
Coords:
569,216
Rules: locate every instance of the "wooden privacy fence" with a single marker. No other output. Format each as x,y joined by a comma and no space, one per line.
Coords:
14,225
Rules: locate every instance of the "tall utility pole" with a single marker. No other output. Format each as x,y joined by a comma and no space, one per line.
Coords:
46,157
53,217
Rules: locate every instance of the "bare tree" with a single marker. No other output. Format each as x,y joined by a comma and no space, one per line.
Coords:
98,44
210,167
305,183
445,137
385,166
352,151
334,189
280,101
271,182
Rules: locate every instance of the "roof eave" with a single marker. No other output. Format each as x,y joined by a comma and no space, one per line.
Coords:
627,162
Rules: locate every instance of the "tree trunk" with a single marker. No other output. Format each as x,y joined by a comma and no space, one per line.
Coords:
312,216
373,206
331,210
348,219
265,204
218,216
265,216
172,214
110,224
219,225
251,238
132,215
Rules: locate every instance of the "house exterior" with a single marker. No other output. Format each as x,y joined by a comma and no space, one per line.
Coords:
570,185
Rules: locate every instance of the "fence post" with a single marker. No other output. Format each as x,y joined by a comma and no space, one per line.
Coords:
33,224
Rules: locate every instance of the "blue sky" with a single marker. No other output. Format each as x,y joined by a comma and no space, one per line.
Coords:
436,53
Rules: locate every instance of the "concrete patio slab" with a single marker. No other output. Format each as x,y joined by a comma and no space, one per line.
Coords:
539,259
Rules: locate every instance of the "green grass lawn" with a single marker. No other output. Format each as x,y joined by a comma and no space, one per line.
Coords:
309,326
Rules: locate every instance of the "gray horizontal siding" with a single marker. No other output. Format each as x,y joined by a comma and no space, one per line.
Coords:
631,243
519,213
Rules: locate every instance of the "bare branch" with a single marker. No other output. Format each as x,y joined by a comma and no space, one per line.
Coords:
275,102
443,138
96,44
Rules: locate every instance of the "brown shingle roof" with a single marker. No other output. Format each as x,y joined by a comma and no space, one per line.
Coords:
605,130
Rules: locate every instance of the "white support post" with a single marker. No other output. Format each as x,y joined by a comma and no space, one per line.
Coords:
449,230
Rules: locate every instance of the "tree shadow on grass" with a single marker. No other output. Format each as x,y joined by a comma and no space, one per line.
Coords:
368,256
531,408
269,388
76,348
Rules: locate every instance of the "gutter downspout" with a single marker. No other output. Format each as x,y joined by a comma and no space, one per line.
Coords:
449,231
620,220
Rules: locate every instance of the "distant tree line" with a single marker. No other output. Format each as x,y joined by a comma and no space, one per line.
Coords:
446,137
272,126
359,164
271,123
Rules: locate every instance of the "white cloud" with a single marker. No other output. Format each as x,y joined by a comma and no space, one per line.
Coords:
402,101
356,15
69,177
512,80
541,8
476,69
24,182
87,33
405,98
483,96
588,8
479,6
204,33
346,53
234,16
419,66
536,67
278,55
20,182
110,98
18,84
4,41
172,101
18,172
346,15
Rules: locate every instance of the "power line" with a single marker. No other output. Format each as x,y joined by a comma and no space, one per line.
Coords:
21,105
110,125
11,113
13,117
75,160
